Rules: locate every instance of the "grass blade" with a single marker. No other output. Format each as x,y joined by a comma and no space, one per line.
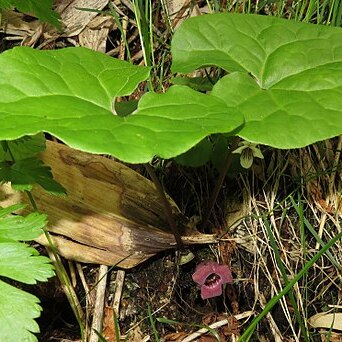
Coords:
248,332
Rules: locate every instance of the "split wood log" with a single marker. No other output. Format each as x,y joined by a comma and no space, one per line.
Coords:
111,215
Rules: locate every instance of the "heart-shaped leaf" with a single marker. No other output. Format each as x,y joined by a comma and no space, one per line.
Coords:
285,84
285,76
71,93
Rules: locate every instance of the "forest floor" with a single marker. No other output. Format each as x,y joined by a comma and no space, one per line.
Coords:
284,198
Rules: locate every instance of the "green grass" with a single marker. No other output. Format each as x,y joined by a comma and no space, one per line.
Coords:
250,329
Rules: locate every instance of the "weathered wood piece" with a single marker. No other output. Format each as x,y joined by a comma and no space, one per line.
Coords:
112,215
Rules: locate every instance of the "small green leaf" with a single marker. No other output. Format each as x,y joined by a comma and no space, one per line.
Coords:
285,76
41,9
20,262
24,173
25,147
23,263
15,227
11,209
18,309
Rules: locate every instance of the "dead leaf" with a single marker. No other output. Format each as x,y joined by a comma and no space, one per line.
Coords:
111,216
327,320
178,11
108,326
135,335
95,35
330,336
73,18
174,337
207,338
16,24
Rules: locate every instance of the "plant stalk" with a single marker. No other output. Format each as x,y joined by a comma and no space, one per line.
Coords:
219,182
166,206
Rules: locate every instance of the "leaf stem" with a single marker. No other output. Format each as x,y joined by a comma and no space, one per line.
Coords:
32,201
219,182
166,206
60,270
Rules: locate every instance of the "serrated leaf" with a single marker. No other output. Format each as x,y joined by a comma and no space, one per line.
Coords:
23,263
25,147
18,309
41,9
70,94
23,228
23,174
285,76
11,209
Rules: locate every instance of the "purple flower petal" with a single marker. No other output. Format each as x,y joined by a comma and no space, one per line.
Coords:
224,272
210,292
211,276
203,271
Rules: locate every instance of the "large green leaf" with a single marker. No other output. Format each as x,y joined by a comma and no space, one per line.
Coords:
70,93
284,76
285,84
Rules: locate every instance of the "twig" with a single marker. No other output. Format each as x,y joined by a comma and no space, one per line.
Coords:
119,281
99,304
72,273
166,206
216,325
330,191
219,182
89,298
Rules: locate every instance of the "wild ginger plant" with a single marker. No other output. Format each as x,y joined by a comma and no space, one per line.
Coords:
282,89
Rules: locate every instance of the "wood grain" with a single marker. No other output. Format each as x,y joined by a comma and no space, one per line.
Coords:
111,215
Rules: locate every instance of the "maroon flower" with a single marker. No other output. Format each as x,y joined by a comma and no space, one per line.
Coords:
210,276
